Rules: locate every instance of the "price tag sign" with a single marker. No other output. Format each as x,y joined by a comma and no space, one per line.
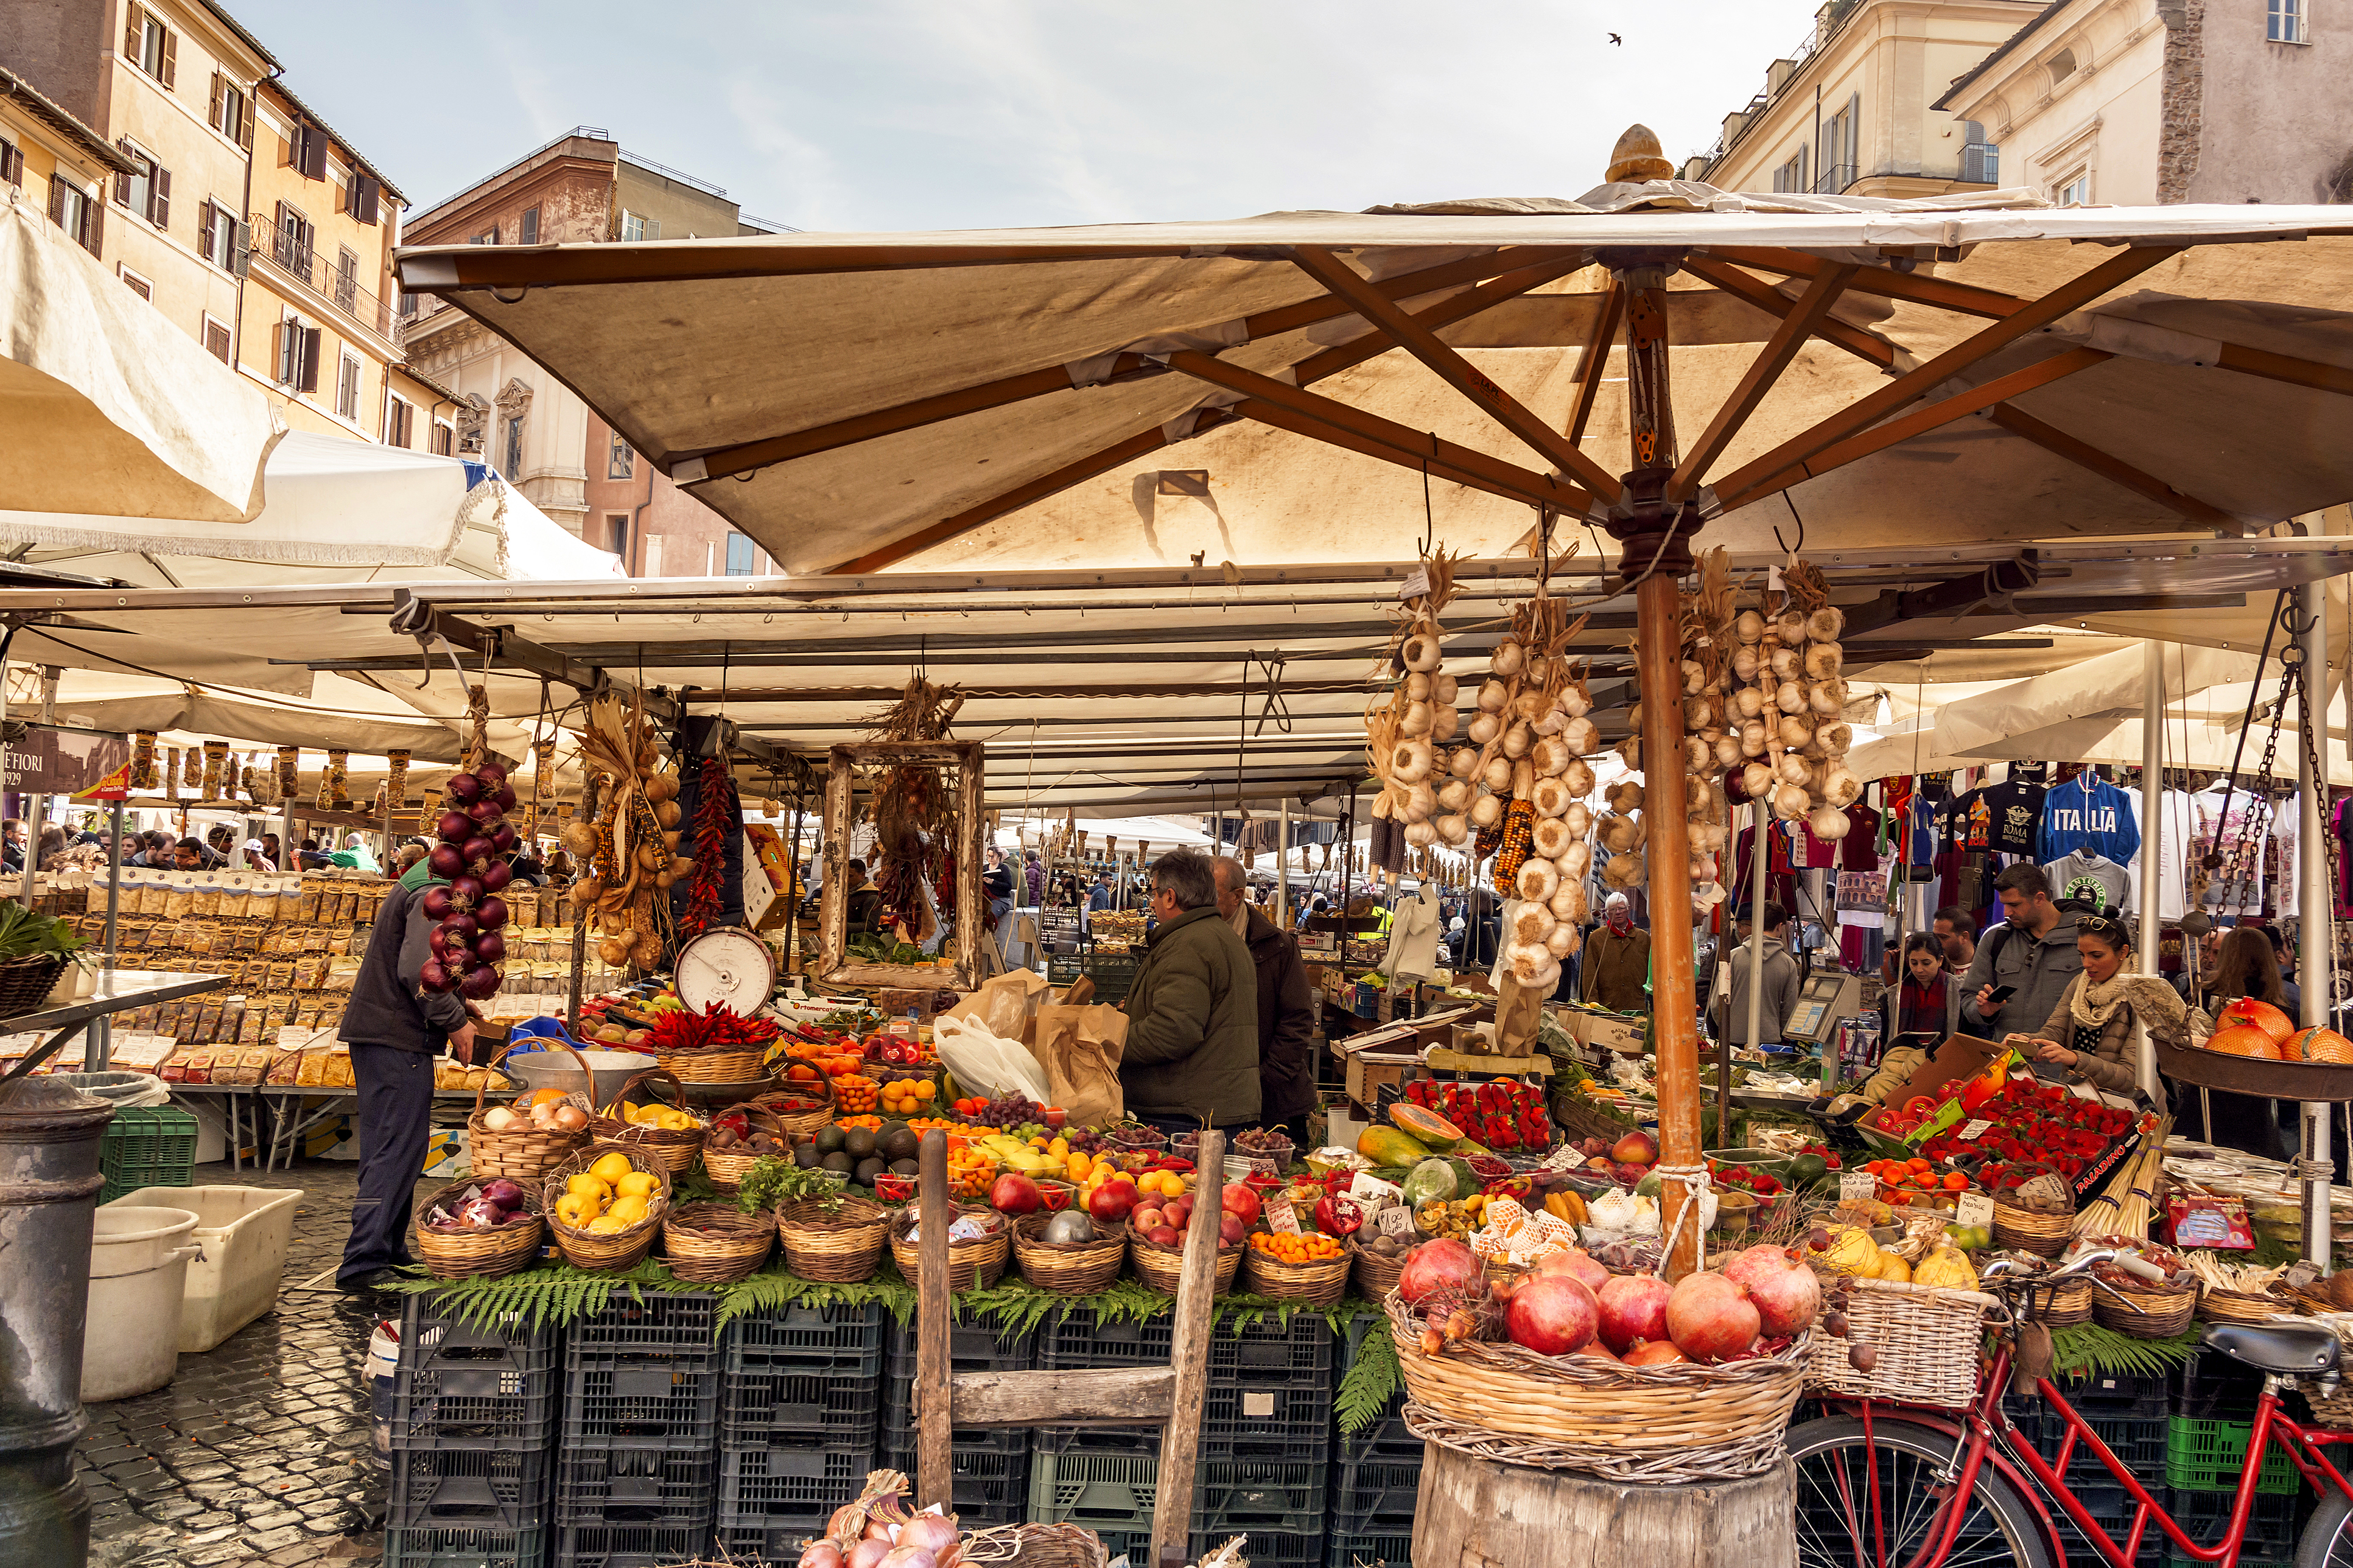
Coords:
1374,1194
1415,586
1974,1130
1395,1221
1857,1186
1974,1210
1281,1217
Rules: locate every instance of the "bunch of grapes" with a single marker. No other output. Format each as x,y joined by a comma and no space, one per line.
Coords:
1083,1140
1011,1110
476,839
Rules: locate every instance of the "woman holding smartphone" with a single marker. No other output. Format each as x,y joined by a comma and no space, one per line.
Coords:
2089,1036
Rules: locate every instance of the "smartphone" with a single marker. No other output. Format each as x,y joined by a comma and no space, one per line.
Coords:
2000,995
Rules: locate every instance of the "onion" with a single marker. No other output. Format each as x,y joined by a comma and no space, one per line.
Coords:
822,1555
461,926
444,862
491,947
483,812
465,890
496,875
870,1551
492,773
464,788
931,1532
475,852
506,797
503,838
492,912
437,902
432,976
454,827
479,984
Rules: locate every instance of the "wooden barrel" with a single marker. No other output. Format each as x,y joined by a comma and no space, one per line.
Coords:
1483,1513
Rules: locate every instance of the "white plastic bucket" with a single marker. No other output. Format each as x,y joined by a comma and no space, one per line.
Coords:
383,1368
138,1270
244,1232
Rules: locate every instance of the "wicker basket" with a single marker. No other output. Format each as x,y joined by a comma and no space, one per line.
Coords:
2145,1314
25,983
1080,1270
1036,1546
2241,1306
735,1246
677,1150
725,1167
2055,1305
2024,1229
1651,1425
806,1122
971,1265
1161,1267
1319,1282
525,1154
484,1254
841,1247
747,1065
1929,1340
1376,1276
623,1249
2334,1409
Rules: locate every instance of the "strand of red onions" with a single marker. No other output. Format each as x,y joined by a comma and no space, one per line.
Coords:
468,941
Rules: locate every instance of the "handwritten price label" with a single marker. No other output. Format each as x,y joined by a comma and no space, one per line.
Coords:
1975,1209
1857,1186
1975,1130
1281,1217
1395,1221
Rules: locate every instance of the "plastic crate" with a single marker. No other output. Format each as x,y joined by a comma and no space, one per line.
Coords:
898,1430
1265,1548
1099,1492
2212,1386
1352,1550
1075,1340
658,1322
972,1347
2111,1507
988,1489
147,1146
756,1485
778,1406
1230,1497
2208,1456
1244,1419
2138,1443
629,1545
461,1387
447,1546
646,1401
844,1341
495,1489
1374,1500
1063,968
770,1545
2271,1520
1386,1441
625,1484
2117,1398
1267,1350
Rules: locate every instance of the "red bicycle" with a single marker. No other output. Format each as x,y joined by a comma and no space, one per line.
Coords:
1883,1484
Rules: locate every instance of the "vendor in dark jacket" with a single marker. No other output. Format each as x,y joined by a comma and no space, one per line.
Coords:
395,1030
1286,1017
1191,1056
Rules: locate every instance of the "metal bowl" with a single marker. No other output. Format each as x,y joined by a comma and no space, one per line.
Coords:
556,1068
2316,1082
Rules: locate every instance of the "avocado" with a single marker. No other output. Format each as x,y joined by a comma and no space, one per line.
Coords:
867,1171
805,1155
858,1142
898,1143
902,1167
829,1139
837,1163
1805,1169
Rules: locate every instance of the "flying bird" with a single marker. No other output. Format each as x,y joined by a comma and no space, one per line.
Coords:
1616,39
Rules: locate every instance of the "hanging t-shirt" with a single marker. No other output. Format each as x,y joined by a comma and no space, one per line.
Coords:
2342,826
2279,858
2177,821
2013,817
1979,817
2238,835
2088,813
2090,879
1859,850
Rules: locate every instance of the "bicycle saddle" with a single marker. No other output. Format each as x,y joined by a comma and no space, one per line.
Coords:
2288,1349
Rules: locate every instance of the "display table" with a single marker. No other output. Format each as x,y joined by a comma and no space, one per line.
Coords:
117,991
276,1116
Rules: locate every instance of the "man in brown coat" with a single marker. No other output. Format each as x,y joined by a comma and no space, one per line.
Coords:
1617,960
1191,1056
1286,1015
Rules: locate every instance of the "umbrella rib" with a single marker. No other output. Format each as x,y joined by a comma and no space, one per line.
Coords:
1765,297
2110,274
1445,460
743,458
1919,421
2114,469
1451,367
1887,281
1596,360
1762,371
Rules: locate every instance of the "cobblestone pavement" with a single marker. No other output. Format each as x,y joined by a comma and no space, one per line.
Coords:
258,1451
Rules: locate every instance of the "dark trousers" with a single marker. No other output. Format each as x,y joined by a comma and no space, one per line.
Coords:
395,1121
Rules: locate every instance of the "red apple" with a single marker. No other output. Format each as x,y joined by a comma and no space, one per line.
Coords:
1147,1219
1231,1230
1015,1193
1163,1237
1111,1201
1242,1204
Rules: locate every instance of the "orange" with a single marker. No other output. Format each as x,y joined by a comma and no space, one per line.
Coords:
1956,1183
1917,1166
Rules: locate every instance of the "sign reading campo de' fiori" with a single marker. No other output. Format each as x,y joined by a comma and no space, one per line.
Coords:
85,764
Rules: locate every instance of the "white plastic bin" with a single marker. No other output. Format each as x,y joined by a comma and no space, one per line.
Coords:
138,1266
244,1232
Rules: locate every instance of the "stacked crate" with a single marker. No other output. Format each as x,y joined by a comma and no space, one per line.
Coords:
473,1433
992,1463
1376,1476
801,1400
639,1465
2205,1449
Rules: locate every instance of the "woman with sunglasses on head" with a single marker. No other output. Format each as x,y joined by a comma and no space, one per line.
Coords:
2089,1036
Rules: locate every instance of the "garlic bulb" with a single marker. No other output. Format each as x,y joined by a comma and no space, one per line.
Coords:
1575,864
1790,698
1793,769
1580,818
1453,829
1419,652
1574,702
1517,741
1707,837
1534,968
1787,662
1728,749
1700,868
1538,879
1454,795
1483,729
1531,922
1530,704
1623,871
1748,627
1840,787
1550,798
1549,723
1421,835
1791,802
1826,624
1748,702
1695,678
1462,761
1753,737
1548,838
1624,795
1563,941
1836,738
1577,775
1497,775
1827,822
1791,624
1486,811
1583,736
1415,721
1416,687
1795,730
1744,662
1550,754
1443,691
1620,835
1696,792
1443,723
1492,696
1823,659
1507,658
1827,698
1699,754
1409,762
1421,802
1756,780
1388,803
1700,712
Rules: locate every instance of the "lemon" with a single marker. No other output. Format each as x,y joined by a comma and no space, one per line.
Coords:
583,1183
611,1168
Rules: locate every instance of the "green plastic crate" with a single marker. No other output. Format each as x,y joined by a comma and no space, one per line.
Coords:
147,1146
2207,1455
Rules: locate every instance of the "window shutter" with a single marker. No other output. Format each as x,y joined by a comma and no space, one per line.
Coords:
212,116
159,205
242,249
311,336
133,32
653,229
122,182
314,153
1854,132
206,213
245,121
363,199
12,164
94,225
171,56
58,200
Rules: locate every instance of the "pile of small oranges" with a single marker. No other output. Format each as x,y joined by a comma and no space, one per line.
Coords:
907,1096
970,1171
855,1092
1308,1247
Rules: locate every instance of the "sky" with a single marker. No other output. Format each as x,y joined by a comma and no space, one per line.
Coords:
914,114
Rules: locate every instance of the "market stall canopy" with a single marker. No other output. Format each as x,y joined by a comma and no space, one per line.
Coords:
1853,371
109,406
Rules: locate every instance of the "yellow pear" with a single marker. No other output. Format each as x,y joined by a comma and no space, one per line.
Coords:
583,1183
611,1168
606,1225
638,1184
628,1211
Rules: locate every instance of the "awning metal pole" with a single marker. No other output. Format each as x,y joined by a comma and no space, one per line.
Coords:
2152,839
2314,927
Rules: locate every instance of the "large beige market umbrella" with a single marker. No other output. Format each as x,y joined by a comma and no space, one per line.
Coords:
107,406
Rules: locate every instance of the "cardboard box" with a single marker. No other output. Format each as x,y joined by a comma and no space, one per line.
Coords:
1953,1062
1368,1072
1610,1032
767,877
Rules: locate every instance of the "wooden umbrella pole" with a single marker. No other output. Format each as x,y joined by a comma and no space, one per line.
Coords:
1674,1017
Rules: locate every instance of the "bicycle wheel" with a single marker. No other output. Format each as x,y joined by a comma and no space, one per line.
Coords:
2328,1538
1835,1527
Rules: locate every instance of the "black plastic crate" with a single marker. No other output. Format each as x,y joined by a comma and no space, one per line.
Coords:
898,1430
972,1347
770,1406
659,1322
2273,1522
457,1386
2119,1397
1385,1441
1375,1499
770,1544
757,1486
450,1546
495,1489
1267,1549
2212,1386
1074,1339
629,1545
623,1484
2111,1508
2138,1443
1267,1351
1352,1550
672,1402
1245,1419
988,1489
845,1342
1082,1442
1231,1496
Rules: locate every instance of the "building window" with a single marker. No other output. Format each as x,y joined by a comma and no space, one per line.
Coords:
216,338
636,226
306,151
74,211
2286,23
347,388
400,419
231,112
445,438
298,356
2074,191
530,225
139,286
147,189
489,236
1980,159
153,47
616,534
12,164
289,246
1791,175
362,199
514,450
348,280
742,555
620,463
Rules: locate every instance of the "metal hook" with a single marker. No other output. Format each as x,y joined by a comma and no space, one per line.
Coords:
518,298
1786,548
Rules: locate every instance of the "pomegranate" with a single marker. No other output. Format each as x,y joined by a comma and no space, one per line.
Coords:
1634,1308
1653,1352
1710,1317
1595,1348
1435,1266
1552,1314
1577,1264
1786,1293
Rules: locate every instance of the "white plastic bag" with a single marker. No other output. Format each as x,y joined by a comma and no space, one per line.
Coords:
985,1063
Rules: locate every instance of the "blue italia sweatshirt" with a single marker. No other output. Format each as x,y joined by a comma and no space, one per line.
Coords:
2087,813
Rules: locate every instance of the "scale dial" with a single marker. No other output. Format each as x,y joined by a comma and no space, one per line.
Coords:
727,965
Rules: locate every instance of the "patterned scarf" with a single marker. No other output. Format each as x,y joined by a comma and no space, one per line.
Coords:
2149,999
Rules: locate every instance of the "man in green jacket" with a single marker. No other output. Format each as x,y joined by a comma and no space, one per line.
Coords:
1191,1058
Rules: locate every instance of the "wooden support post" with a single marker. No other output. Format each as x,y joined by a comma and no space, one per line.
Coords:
579,912
934,1319
1474,1511
1674,1017
1180,1439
